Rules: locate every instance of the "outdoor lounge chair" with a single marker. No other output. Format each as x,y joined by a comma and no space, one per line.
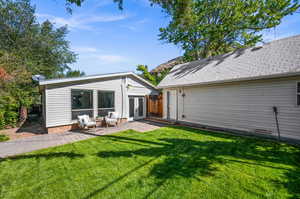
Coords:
112,119
85,121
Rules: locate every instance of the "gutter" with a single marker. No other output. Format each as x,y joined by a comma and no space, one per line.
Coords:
234,80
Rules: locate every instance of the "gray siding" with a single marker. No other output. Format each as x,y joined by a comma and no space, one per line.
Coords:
58,97
245,106
139,88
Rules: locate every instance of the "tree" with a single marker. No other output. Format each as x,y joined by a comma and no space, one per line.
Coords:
42,47
28,48
153,78
211,27
17,90
73,73
204,28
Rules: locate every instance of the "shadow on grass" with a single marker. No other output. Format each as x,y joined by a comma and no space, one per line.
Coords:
190,158
118,179
46,156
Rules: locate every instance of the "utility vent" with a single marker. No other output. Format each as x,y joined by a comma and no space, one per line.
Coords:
263,131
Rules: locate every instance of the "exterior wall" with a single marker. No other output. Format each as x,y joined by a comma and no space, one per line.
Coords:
58,97
61,129
173,101
245,106
136,87
43,106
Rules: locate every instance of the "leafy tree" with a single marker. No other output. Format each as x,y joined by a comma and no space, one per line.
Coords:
43,47
28,48
204,28
17,90
211,27
73,73
153,78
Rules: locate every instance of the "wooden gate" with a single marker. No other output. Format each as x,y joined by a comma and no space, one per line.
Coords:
155,105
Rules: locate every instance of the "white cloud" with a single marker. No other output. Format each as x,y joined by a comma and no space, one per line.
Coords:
136,25
92,53
82,21
110,58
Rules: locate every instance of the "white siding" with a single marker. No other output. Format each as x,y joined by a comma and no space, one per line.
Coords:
137,87
243,106
58,97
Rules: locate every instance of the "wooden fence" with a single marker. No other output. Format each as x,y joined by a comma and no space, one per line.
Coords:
155,105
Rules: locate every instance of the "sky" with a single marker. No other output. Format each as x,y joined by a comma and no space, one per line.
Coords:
108,40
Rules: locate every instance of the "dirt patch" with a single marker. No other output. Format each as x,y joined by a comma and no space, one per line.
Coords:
28,129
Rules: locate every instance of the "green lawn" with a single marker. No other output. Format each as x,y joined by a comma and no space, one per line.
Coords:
170,162
3,138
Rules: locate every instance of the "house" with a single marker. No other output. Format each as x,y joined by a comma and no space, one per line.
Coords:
246,91
96,95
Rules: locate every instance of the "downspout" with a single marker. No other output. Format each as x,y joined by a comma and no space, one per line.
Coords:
183,96
275,110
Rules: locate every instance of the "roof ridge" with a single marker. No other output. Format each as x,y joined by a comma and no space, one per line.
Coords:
70,78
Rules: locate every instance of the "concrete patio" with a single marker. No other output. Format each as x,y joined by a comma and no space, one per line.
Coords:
28,144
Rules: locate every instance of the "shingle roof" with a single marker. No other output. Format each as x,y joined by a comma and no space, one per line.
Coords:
275,59
90,77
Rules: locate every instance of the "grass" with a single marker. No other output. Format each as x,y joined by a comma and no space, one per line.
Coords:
170,162
3,138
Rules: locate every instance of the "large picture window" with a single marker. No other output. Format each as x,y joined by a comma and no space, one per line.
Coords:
106,102
298,93
82,103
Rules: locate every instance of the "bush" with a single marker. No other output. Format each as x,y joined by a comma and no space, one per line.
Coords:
2,121
11,117
8,111
3,138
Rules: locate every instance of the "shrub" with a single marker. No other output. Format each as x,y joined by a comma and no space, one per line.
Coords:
3,138
2,121
8,111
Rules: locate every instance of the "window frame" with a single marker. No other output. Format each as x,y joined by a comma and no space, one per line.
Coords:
298,93
114,101
89,109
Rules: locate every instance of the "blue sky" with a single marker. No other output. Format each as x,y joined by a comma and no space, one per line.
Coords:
109,40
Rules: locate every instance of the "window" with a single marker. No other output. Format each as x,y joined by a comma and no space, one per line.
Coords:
82,103
298,93
106,102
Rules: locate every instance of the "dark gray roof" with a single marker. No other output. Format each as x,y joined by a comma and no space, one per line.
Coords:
275,59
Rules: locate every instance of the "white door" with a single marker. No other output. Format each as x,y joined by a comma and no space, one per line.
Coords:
171,105
137,108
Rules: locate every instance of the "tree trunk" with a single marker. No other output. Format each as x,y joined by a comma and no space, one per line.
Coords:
23,115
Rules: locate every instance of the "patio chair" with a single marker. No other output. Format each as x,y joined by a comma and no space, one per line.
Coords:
85,121
112,119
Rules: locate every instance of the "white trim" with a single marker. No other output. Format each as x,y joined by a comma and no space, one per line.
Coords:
63,80
136,115
297,93
290,74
